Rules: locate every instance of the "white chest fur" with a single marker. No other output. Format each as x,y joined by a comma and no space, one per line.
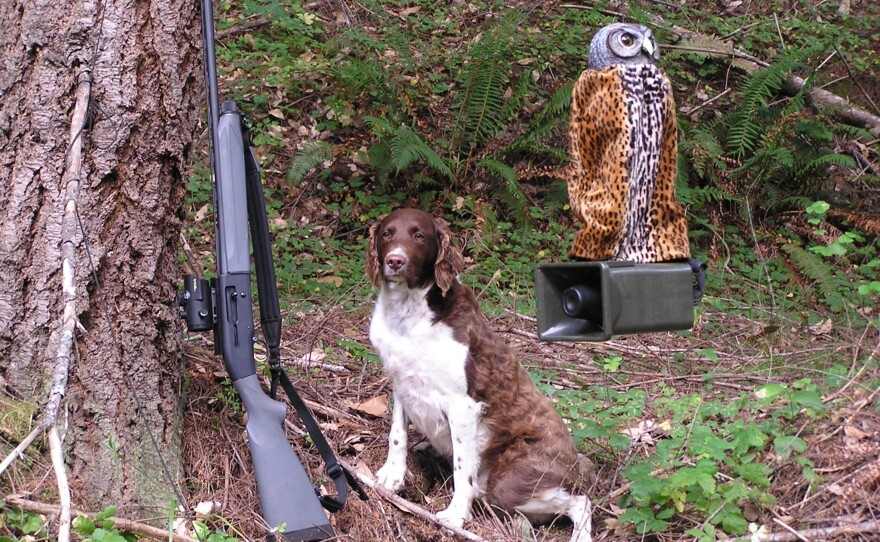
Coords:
425,363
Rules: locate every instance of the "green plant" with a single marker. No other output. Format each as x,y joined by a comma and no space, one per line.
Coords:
102,528
21,523
228,397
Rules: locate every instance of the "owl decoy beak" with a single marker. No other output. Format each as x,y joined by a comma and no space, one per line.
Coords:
649,49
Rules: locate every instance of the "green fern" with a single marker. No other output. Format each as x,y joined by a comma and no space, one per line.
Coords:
379,127
831,285
745,132
310,156
484,79
408,148
509,192
550,118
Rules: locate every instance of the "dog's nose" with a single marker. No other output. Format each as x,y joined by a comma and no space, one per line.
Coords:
395,261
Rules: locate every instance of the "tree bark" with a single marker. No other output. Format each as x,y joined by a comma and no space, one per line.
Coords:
143,59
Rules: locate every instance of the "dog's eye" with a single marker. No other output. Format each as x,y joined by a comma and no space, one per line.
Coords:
419,235
386,234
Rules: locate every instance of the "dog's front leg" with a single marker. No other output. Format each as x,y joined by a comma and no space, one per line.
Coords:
464,418
393,472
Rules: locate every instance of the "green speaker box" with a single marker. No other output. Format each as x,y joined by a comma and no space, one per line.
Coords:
592,301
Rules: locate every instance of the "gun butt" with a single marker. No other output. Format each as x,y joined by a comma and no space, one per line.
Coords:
288,499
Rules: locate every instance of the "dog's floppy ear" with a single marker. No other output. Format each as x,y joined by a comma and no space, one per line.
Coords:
449,259
373,256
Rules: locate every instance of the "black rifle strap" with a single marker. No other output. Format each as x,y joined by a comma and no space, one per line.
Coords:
341,477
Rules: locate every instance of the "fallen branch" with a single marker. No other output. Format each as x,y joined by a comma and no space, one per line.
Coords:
824,533
60,371
818,98
121,524
409,506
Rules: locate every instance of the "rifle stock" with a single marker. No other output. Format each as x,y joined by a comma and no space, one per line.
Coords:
285,490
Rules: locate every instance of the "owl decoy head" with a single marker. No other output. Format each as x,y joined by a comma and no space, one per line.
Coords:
623,43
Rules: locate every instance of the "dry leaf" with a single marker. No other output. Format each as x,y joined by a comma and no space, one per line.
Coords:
202,213
377,406
334,280
822,328
854,433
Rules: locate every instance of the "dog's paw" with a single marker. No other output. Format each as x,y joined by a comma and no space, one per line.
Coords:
391,476
455,515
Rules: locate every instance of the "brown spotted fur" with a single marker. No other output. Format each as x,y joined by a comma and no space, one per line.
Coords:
598,180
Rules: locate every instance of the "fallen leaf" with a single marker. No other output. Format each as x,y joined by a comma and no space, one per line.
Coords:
822,328
333,279
854,433
202,213
377,406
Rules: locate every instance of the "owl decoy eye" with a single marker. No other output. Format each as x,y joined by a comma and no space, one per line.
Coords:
627,40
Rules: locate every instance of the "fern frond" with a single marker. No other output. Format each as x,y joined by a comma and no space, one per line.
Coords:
484,78
853,131
310,156
830,284
408,148
509,191
868,223
379,127
831,158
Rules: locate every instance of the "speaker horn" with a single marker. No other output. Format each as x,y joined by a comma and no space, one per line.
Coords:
592,301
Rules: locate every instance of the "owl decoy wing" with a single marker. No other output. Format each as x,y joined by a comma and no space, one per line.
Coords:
597,174
667,218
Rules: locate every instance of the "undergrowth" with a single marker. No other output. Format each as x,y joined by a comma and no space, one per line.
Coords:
444,106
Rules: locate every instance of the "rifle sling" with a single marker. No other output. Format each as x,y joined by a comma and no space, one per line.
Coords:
342,478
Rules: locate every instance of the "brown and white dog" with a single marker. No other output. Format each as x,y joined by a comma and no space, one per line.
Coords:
460,385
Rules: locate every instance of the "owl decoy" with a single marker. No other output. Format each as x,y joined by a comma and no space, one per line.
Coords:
622,44
623,150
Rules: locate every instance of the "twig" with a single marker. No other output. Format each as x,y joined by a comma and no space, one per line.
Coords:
250,25
409,506
57,390
704,104
856,81
823,533
22,446
121,524
779,31
57,455
790,529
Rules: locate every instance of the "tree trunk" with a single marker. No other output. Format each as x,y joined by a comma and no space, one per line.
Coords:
143,59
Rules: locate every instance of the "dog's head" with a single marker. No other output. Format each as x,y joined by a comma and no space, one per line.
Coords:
414,247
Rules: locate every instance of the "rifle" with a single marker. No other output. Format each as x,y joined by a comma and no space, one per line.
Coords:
290,504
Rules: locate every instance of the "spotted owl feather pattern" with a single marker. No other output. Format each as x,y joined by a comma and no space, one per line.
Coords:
621,179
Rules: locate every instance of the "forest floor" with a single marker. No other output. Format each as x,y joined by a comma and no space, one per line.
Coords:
781,397
351,395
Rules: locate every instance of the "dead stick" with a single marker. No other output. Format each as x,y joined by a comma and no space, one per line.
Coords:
823,533
121,524
409,506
